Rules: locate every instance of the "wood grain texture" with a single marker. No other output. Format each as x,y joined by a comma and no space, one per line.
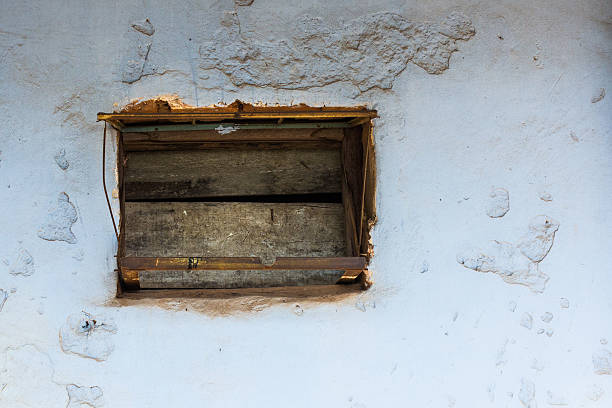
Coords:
262,145
234,229
349,219
232,172
284,294
211,279
370,192
235,263
239,135
352,158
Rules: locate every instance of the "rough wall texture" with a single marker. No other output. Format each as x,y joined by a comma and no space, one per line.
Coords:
494,127
368,52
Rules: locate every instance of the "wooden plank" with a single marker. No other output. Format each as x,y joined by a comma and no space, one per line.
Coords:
220,126
352,161
239,135
151,272
360,169
370,201
166,146
369,193
349,219
218,114
231,263
121,155
265,230
223,279
291,292
232,172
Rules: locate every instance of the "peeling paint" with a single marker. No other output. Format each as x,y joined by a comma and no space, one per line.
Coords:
144,27
3,297
22,264
547,317
546,196
555,399
224,130
602,362
298,310
595,392
498,203
527,321
369,52
526,394
536,244
79,396
27,379
600,96
134,61
60,159
516,264
88,336
506,261
58,225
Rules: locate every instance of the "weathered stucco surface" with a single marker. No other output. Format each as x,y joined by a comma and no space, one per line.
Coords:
494,155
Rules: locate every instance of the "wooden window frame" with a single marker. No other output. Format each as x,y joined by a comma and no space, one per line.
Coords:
156,128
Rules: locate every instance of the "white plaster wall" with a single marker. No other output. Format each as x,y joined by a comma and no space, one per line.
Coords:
436,336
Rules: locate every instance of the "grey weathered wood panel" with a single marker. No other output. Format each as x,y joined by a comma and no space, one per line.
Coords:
266,230
232,172
132,140
210,279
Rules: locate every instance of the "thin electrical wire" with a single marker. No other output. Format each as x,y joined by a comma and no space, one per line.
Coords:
110,209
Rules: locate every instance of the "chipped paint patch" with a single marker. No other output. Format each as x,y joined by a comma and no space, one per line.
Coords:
59,221
224,130
516,264
27,379
145,27
79,396
88,336
498,203
22,264
600,96
3,297
368,52
602,362
60,160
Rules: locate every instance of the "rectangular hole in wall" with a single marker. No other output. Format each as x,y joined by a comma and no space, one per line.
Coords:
247,201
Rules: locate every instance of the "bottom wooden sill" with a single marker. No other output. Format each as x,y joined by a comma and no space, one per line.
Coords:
234,273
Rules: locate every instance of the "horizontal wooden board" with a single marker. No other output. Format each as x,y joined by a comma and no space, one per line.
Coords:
265,230
234,263
222,279
229,135
232,172
162,112
265,145
283,294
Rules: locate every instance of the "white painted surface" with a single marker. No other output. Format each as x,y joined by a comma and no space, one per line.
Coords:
519,107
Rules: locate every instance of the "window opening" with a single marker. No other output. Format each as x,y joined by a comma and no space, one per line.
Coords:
244,197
